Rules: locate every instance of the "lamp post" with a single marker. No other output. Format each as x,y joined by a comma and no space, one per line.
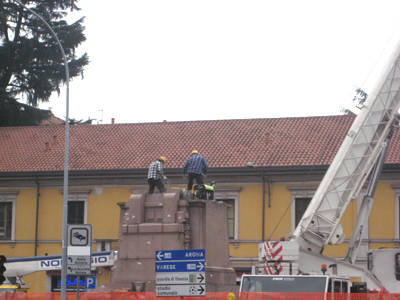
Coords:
65,189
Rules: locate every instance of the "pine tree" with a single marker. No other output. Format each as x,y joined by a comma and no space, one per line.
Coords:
31,64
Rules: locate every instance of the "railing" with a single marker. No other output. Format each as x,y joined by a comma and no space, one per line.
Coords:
318,296
120,295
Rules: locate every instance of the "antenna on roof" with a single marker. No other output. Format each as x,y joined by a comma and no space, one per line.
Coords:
100,121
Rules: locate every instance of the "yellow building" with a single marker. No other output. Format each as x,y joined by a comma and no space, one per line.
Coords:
266,169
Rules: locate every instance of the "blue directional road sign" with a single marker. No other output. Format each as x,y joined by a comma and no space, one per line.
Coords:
180,272
168,255
180,266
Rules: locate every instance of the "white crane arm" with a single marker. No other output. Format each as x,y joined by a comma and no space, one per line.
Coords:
19,266
353,162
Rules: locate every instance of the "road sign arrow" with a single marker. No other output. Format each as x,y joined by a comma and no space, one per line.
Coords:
200,266
160,255
200,290
200,278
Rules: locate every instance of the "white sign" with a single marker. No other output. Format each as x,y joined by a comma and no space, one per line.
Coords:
79,236
79,249
78,265
180,278
180,290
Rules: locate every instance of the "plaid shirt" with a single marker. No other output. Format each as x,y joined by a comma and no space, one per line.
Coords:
155,170
196,164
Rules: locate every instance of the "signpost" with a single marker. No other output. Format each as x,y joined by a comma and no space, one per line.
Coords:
79,251
180,273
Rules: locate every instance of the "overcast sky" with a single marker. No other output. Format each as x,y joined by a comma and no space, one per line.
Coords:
155,60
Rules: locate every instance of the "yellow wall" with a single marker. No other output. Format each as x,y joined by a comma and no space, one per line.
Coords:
382,214
278,220
103,214
250,213
50,209
25,217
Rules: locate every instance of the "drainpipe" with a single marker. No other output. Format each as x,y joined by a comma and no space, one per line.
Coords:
37,215
269,192
263,207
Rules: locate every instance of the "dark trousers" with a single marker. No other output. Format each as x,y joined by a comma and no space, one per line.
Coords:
191,176
155,183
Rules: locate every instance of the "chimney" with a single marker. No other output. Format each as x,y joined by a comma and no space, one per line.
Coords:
112,120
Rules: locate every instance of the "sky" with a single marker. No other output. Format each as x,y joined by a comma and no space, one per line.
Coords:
170,60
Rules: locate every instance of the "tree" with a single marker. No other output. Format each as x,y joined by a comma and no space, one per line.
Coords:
31,64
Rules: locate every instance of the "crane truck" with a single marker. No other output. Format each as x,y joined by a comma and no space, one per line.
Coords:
298,264
17,267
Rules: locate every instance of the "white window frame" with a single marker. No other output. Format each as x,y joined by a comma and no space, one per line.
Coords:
231,194
99,243
298,192
10,197
81,196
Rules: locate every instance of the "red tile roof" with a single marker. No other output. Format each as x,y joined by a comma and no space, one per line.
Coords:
52,120
224,143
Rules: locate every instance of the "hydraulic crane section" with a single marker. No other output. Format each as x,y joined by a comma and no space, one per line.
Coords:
353,163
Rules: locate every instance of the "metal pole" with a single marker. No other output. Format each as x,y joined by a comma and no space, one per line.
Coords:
66,148
78,280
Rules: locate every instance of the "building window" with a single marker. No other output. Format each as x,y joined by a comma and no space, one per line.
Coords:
300,199
102,245
301,204
77,207
5,220
76,211
231,198
230,217
7,215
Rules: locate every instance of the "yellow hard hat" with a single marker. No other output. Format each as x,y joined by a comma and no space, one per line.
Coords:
231,296
163,159
195,152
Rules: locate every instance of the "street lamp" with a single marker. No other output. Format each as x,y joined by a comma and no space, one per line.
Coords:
65,196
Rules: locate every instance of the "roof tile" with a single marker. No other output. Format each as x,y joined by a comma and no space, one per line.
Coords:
301,141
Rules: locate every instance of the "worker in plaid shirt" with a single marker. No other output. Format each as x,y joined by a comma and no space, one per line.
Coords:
196,168
156,175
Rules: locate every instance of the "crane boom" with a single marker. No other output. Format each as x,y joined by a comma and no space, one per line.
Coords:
353,163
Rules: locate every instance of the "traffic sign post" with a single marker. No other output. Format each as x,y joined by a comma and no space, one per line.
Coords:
180,273
79,249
